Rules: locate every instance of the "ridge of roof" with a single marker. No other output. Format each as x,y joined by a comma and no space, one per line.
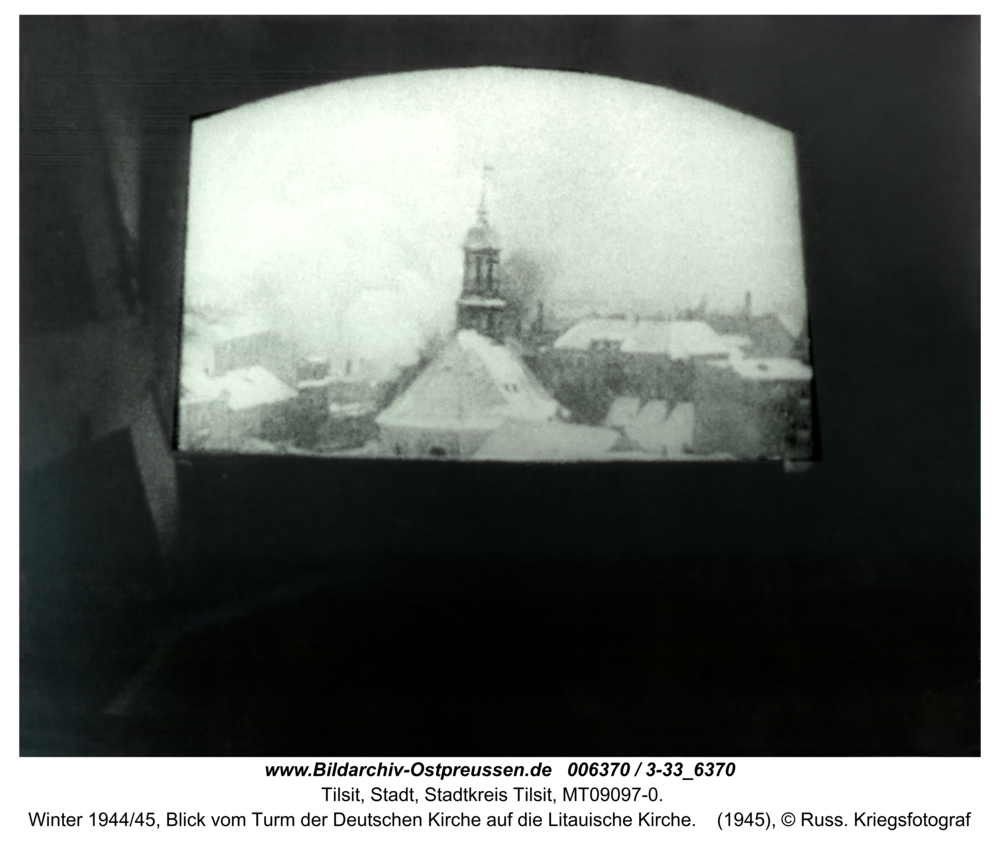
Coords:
473,383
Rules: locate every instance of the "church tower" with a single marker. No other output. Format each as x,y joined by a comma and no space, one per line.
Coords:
481,307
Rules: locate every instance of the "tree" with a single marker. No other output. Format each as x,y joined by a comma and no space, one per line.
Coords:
522,277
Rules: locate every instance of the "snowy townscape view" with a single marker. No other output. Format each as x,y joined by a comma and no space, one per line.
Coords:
494,264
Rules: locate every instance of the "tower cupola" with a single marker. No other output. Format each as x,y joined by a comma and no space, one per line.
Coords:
481,306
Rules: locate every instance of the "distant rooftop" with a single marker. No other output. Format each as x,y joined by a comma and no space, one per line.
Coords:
254,386
762,370
242,388
676,339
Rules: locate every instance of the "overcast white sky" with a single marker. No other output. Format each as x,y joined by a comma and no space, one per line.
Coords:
338,212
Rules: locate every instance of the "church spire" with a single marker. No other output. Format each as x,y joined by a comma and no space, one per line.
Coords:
481,306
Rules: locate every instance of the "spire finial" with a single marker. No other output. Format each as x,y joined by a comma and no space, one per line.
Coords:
481,211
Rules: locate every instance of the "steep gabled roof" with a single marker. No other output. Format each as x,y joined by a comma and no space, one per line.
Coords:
472,384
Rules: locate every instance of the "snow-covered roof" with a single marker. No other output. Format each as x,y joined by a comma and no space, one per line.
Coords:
504,366
622,411
653,412
737,342
241,388
473,384
196,383
763,370
676,339
792,326
350,410
253,386
548,441
315,383
492,302
584,334
656,432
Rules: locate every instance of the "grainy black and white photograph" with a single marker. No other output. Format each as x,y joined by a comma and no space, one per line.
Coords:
417,387
495,263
